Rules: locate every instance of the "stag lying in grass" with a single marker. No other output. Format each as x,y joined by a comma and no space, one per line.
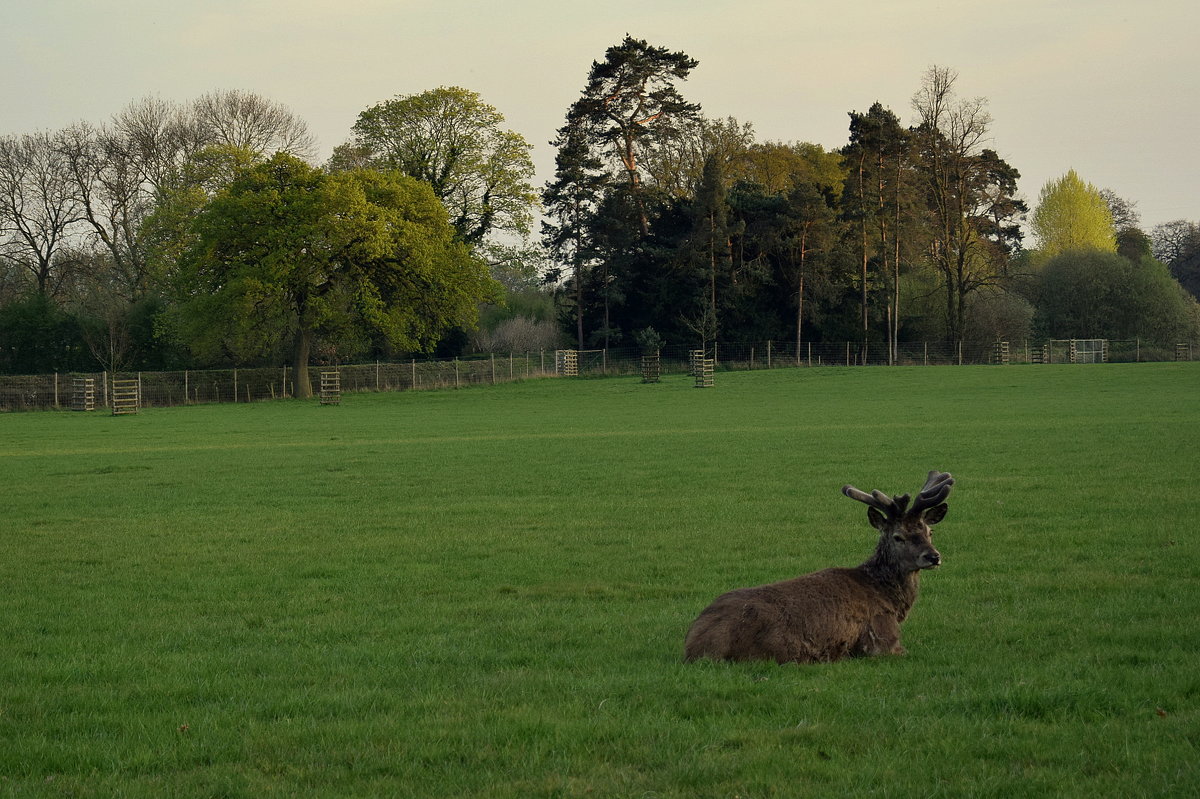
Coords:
834,613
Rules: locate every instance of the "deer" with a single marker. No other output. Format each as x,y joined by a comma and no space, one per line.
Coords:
833,613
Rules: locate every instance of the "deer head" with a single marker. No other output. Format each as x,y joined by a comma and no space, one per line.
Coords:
905,538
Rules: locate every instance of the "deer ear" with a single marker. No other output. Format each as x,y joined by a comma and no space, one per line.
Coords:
877,519
935,514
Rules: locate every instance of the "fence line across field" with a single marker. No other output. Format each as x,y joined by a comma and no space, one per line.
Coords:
180,387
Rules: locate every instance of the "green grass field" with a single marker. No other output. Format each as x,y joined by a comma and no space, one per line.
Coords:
484,593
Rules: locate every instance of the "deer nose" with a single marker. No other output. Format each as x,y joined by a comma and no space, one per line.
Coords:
934,558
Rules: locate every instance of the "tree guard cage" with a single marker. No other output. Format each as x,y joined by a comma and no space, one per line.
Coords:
566,363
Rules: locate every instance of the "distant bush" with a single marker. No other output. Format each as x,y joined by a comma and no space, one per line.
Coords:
1089,294
518,334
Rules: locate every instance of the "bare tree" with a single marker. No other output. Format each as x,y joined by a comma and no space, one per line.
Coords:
251,122
1172,240
38,208
158,136
1124,212
971,192
114,197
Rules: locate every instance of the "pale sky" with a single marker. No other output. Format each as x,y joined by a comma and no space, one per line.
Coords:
1110,89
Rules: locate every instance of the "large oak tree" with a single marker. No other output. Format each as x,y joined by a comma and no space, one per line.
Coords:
288,253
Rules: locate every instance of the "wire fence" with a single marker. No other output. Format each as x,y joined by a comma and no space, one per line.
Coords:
161,389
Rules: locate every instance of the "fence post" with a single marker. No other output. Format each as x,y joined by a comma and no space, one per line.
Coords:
104,383
235,385
493,357
56,390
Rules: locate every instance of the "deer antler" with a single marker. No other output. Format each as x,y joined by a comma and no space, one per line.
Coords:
877,500
937,488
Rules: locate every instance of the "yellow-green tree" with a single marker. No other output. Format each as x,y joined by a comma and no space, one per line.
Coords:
452,140
1072,215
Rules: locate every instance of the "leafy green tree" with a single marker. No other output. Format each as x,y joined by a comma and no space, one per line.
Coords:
675,165
630,98
1072,215
780,166
455,142
37,336
1134,244
287,253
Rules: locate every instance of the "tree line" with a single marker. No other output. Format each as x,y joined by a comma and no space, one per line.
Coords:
668,225
203,233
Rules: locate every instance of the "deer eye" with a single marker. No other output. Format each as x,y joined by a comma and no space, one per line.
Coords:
897,537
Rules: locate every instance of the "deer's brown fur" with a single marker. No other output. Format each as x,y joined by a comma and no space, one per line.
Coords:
833,613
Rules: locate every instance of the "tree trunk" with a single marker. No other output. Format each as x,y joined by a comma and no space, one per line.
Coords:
579,303
863,305
300,364
896,266
863,232
800,291
629,157
799,315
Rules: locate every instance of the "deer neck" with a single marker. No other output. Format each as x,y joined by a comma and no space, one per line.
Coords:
898,584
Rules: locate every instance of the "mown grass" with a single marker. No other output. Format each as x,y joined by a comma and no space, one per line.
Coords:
484,593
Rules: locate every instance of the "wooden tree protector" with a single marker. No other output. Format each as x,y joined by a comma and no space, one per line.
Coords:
331,387
83,394
651,368
126,397
566,363
704,373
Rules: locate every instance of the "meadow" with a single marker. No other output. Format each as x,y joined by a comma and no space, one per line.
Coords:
484,593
